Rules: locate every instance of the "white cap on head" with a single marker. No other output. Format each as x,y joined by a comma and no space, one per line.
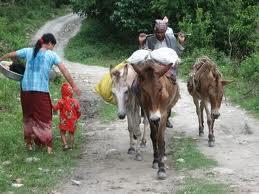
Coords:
165,19
160,24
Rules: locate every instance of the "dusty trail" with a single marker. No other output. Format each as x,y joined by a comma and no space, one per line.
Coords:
104,166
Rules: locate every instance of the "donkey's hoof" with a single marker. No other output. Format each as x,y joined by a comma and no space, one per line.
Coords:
131,151
211,140
161,174
155,165
143,144
201,133
138,157
211,143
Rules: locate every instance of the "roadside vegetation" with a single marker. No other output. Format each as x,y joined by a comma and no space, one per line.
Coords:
96,45
107,112
185,156
36,170
198,186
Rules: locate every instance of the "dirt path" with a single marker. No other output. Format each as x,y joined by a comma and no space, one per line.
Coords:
104,166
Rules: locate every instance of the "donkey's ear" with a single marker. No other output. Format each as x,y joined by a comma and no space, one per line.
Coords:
226,82
114,72
137,69
111,67
125,71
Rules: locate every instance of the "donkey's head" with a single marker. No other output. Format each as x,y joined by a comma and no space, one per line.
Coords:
216,91
120,89
152,90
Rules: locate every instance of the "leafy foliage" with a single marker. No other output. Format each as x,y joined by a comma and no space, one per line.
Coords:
96,45
227,25
132,16
249,68
94,8
200,29
18,20
232,23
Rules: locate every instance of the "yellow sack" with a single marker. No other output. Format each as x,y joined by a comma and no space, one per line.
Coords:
104,87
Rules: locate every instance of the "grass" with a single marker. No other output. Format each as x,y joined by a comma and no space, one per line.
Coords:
186,156
244,94
19,21
13,149
107,112
186,148
95,45
198,186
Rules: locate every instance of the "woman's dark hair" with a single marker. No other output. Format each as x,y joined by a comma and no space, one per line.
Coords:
45,39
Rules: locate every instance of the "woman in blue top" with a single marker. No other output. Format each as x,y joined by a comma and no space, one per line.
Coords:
35,98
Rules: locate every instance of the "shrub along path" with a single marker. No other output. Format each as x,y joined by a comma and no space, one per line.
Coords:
105,167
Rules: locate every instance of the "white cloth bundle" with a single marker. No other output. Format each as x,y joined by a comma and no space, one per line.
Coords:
139,56
165,56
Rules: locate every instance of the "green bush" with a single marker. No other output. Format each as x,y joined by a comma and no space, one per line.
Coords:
95,45
227,25
225,64
233,22
132,16
249,68
200,29
19,20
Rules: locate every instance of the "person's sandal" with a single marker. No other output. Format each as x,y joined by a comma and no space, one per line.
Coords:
65,147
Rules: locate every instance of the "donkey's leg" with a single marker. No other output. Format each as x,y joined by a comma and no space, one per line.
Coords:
161,147
202,117
136,120
210,123
131,149
144,141
198,112
212,129
153,136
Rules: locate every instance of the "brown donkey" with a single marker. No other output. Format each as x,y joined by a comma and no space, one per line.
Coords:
157,96
206,86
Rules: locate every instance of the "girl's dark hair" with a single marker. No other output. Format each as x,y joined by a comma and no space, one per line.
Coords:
45,39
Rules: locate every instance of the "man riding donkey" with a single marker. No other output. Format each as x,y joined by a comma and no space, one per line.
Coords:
162,39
